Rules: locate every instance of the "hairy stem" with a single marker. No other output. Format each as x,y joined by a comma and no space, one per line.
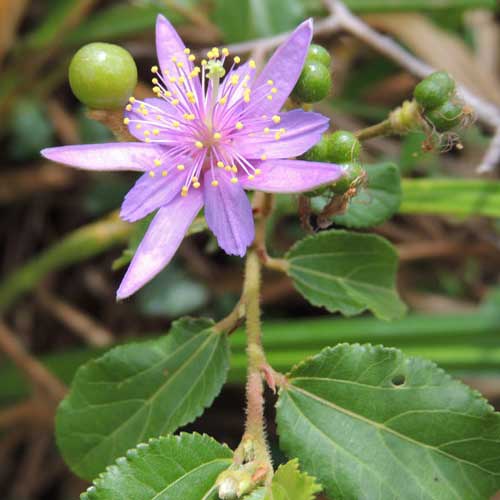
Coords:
377,130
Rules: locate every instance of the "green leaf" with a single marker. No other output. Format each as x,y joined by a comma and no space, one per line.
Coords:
289,484
377,202
138,391
460,197
412,5
370,422
347,272
248,19
181,467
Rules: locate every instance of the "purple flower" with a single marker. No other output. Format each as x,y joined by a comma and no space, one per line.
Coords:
205,138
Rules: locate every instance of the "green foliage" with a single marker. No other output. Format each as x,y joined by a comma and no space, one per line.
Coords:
369,419
347,272
459,197
30,130
288,484
378,201
247,19
169,468
103,75
138,391
314,83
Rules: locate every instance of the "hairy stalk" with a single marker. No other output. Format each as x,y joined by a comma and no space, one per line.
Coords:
380,129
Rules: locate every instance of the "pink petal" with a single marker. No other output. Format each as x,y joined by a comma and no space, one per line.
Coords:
150,193
161,241
292,176
302,131
112,156
169,45
229,214
283,69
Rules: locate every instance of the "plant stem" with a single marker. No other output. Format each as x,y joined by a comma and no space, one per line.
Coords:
382,128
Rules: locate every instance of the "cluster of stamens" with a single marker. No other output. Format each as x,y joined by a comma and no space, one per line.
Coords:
206,117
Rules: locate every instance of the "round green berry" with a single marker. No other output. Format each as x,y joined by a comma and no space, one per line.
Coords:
314,83
352,172
317,53
434,90
343,147
319,152
446,116
102,75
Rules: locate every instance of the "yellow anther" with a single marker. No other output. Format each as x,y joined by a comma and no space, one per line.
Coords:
237,59
180,167
196,185
263,157
252,64
128,107
147,133
217,136
175,102
151,173
223,100
227,168
198,144
158,162
251,177
187,51
147,140
192,57
210,54
126,121
267,130
184,191
175,123
225,51
238,126
131,99
234,168
234,180
257,171
246,97
172,79
144,112
154,81
220,164
269,97
204,62
157,90
235,79
156,131
181,80
168,93
276,119
277,136
274,90
138,126
215,183
270,82
154,69
164,173
173,59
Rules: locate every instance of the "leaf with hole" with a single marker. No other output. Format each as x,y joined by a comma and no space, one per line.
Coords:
138,391
370,422
289,483
181,467
347,272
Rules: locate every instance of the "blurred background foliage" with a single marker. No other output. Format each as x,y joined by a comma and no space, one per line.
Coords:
63,247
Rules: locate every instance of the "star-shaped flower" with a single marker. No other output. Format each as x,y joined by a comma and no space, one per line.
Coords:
206,136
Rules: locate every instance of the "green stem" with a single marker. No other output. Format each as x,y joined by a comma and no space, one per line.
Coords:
380,129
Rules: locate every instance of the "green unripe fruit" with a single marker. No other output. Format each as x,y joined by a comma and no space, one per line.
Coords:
446,116
102,75
434,90
317,53
343,147
352,172
314,83
319,152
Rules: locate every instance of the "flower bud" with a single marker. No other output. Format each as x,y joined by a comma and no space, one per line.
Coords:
313,84
343,147
434,90
319,54
103,75
353,172
446,116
